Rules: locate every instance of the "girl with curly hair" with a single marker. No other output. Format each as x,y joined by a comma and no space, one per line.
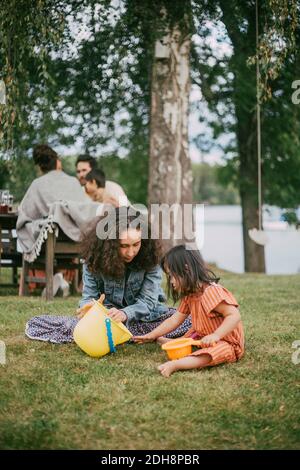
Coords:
121,264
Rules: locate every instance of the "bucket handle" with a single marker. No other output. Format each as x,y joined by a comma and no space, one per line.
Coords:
109,335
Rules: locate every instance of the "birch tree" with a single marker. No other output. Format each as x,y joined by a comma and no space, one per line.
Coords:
170,176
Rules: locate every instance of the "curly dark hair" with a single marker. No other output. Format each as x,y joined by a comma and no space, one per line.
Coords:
101,252
45,157
189,268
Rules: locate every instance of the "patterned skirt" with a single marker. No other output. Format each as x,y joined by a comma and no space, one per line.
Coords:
59,329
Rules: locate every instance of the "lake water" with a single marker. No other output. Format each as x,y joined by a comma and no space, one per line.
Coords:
223,240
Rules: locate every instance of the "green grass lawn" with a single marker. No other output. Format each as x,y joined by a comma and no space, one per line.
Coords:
56,397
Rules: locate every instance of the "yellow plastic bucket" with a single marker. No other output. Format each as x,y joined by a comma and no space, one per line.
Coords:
97,334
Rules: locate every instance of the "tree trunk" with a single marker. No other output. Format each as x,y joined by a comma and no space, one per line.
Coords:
254,254
170,175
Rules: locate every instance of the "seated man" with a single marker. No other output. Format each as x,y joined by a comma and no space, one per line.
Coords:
52,186
112,191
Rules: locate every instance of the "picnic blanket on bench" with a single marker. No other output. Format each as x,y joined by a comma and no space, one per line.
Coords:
70,217
53,201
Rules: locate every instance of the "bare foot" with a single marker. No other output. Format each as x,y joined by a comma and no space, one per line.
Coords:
162,340
167,368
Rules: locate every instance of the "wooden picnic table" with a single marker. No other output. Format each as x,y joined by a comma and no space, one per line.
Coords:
8,246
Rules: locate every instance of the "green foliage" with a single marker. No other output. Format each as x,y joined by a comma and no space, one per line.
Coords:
22,173
28,33
290,216
130,172
16,175
101,90
4,174
63,86
208,187
228,85
277,39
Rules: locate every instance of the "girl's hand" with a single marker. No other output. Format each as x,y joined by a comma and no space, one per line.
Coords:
80,312
83,310
210,340
148,338
117,315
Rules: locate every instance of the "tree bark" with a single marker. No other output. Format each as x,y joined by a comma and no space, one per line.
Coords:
254,254
170,175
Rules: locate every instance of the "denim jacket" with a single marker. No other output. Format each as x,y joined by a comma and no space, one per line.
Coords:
140,297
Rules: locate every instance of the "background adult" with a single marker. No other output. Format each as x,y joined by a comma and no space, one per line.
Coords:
112,191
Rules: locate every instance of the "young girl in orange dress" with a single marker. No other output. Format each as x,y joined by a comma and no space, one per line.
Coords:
214,312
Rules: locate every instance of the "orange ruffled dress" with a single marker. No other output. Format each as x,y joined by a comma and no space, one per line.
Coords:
205,320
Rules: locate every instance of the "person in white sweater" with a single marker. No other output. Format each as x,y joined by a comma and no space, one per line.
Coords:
104,192
51,186
96,186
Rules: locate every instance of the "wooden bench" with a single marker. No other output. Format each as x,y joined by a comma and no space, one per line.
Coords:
58,253
9,256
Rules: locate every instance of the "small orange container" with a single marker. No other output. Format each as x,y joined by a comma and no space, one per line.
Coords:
180,347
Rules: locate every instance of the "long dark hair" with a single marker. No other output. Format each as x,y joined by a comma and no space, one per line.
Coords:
102,253
189,268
